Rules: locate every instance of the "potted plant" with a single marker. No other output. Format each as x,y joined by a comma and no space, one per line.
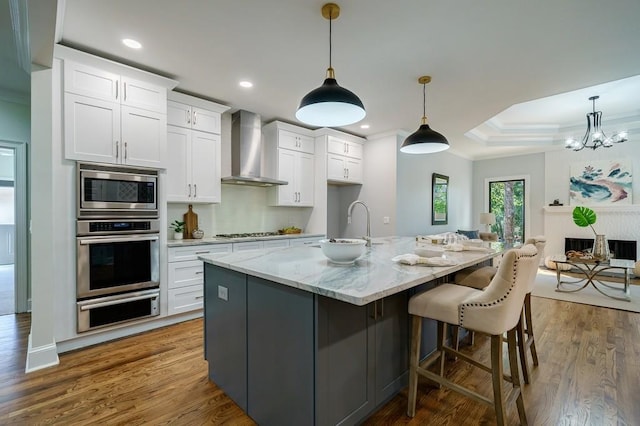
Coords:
178,229
583,217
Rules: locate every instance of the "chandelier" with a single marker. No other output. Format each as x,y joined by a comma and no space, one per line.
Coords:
594,137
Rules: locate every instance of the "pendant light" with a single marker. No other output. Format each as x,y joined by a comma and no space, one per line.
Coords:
424,140
330,105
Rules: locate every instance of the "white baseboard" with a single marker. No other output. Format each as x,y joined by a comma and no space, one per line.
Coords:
41,357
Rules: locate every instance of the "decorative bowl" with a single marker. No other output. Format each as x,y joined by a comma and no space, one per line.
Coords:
197,233
343,251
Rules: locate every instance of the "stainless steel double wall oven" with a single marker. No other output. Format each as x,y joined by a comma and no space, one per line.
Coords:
118,245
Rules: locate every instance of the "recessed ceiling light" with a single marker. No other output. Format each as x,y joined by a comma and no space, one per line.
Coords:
364,126
245,83
131,43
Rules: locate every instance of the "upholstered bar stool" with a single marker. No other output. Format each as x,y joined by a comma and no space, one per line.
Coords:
494,311
480,279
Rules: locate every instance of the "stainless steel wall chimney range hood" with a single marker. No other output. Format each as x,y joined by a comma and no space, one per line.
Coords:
246,151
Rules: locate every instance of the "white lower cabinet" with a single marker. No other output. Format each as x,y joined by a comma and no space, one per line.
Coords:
307,241
186,276
185,299
248,245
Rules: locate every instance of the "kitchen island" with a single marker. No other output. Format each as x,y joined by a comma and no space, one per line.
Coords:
294,339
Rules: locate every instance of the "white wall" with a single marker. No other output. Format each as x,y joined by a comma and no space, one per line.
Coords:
414,172
14,121
379,190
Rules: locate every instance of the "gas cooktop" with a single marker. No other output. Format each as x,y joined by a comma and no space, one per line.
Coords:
248,235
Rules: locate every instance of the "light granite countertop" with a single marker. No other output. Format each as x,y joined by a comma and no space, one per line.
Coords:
372,277
220,240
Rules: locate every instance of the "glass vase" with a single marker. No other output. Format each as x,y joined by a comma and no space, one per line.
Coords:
600,248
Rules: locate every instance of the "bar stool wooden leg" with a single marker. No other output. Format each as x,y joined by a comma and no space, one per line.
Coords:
416,334
442,335
515,375
455,337
529,328
497,377
522,347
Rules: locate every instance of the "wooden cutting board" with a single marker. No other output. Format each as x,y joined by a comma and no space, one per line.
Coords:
190,222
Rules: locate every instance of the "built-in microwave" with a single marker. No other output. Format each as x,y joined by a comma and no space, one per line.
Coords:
106,191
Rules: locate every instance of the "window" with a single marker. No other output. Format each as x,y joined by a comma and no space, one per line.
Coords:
507,200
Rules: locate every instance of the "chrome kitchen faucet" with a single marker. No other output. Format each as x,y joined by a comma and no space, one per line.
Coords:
350,209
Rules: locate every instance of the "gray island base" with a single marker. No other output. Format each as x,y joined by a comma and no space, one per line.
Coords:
296,340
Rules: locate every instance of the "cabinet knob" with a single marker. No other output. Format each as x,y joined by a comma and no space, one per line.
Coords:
117,149
195,117
189,190
125,150
195,190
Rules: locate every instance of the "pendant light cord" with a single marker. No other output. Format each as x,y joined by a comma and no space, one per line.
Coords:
330,19
424,101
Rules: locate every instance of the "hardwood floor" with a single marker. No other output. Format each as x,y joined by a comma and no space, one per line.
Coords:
588,375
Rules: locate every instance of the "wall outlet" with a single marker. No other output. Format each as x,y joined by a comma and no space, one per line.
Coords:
386,220
223,293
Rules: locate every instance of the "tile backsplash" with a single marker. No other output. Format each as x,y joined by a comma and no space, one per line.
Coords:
243,209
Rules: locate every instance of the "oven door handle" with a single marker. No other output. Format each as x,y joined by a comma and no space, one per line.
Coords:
88,307
128,239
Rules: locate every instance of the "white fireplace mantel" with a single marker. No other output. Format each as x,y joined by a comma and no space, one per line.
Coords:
615,222
630,208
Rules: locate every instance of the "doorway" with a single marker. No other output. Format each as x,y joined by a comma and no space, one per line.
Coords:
7,231
13,215
508,199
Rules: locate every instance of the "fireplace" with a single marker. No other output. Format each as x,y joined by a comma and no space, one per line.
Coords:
620,249
620,223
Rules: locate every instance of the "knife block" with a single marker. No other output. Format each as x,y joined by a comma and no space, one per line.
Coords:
190,222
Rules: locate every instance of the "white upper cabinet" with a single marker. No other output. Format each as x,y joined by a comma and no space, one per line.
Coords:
289,156
113,118
194,145
295,141
344,161
192,117
92,82
343,147
99,84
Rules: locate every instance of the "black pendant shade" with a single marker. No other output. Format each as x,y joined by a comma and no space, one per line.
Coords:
424,140
330,105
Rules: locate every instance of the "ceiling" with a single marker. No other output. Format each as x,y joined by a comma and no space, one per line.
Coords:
508,77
